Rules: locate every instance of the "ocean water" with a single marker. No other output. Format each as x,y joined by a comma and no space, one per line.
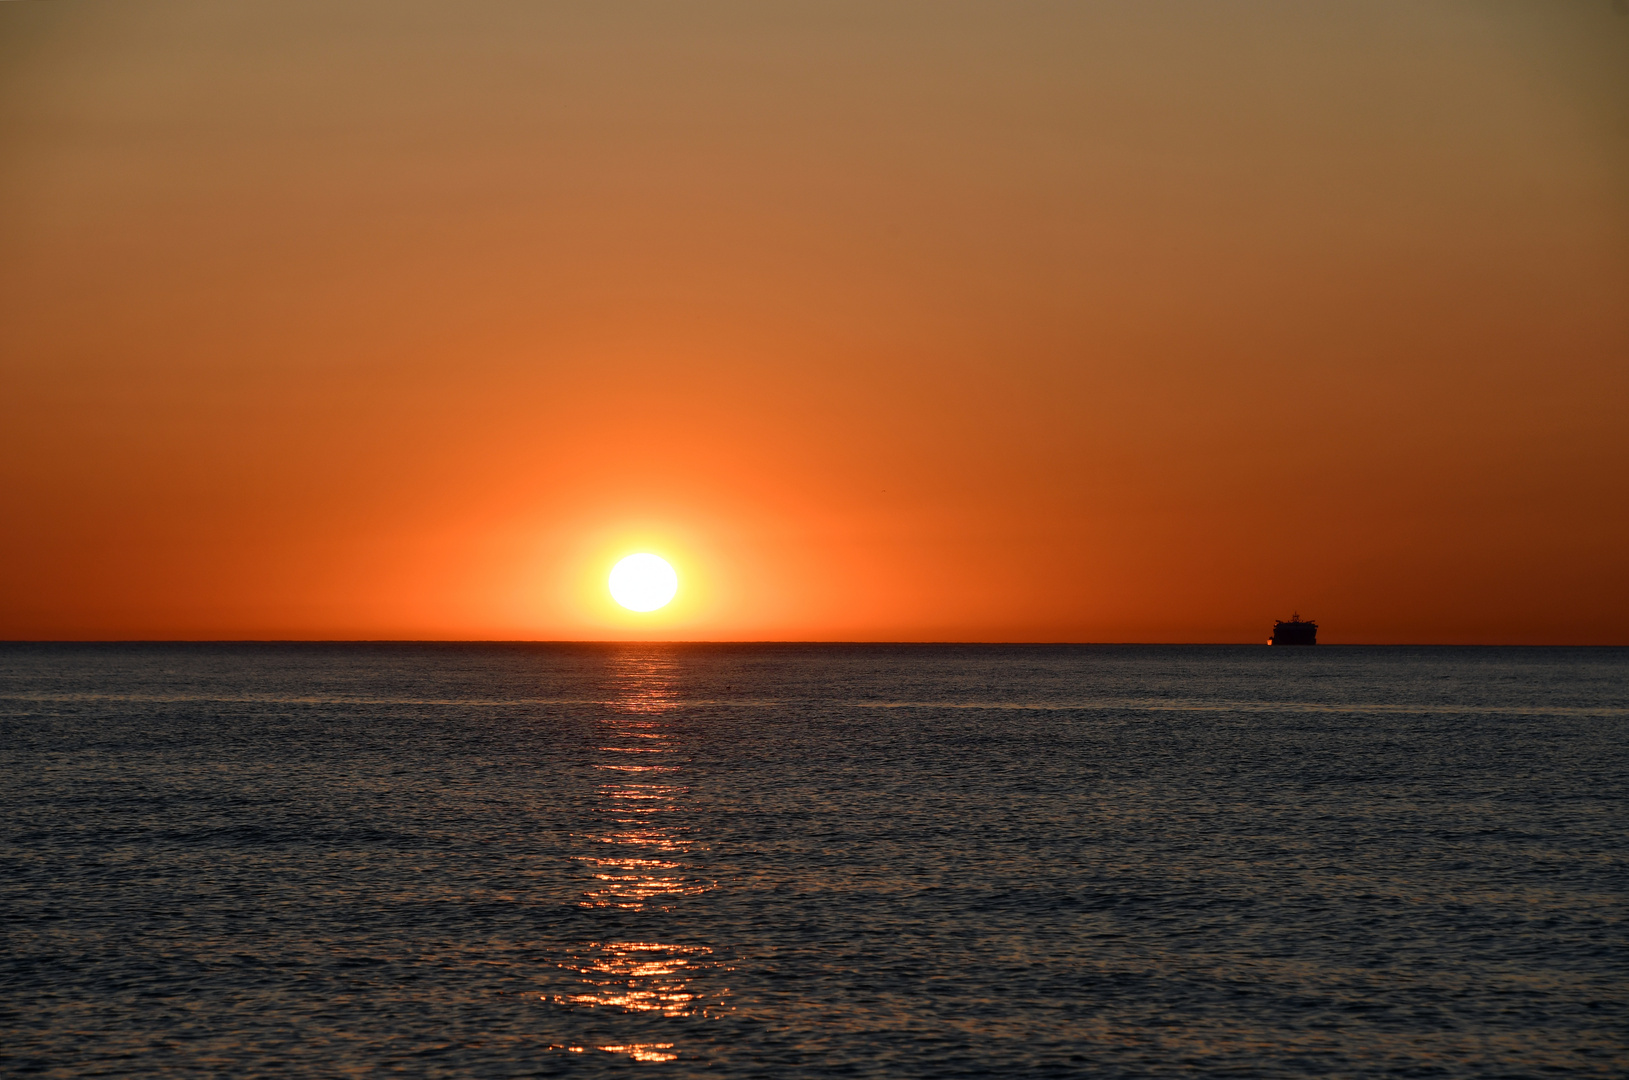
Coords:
900,861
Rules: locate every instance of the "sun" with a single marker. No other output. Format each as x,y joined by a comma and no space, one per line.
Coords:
643,582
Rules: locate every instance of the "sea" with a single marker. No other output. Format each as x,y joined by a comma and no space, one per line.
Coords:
783,860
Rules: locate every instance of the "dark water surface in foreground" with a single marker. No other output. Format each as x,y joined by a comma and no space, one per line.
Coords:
847,861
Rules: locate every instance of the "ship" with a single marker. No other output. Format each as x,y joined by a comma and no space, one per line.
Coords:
1294,632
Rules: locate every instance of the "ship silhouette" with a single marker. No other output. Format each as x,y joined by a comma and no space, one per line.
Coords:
1294,632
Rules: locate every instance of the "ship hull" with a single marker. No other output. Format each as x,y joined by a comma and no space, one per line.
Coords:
1294,633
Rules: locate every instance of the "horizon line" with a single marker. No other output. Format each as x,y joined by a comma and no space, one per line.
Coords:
1038,643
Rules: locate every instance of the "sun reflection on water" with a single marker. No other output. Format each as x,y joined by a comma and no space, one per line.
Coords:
640,865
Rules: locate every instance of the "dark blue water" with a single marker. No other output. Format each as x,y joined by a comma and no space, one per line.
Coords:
846,861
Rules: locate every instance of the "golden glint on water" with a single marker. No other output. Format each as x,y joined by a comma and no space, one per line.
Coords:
641,867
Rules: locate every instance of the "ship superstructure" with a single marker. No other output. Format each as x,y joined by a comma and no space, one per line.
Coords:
1294,632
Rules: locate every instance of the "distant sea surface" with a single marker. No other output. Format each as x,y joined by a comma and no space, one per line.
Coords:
888,861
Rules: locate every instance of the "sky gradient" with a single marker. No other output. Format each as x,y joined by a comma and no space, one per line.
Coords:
936,321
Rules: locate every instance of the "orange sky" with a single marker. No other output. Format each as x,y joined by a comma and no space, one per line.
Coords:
1016,321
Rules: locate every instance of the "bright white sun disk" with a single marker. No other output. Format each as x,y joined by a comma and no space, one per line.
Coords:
643,582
